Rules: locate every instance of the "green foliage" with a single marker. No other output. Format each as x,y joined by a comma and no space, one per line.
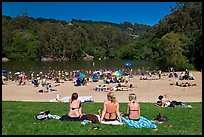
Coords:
17,119
170,51
128,52
185,20
95,50
22,47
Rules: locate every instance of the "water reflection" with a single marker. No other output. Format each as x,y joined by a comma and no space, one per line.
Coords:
37,66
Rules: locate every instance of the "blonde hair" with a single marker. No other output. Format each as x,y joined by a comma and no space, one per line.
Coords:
112,96
132,97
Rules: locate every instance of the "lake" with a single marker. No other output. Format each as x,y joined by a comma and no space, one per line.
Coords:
37,66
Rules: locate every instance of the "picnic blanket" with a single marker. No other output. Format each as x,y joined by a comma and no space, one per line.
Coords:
142,123
81,98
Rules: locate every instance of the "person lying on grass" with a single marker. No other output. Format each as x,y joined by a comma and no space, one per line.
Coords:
165,102
75,112
110,110
133,108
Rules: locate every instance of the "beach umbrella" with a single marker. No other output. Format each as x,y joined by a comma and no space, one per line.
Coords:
98,72
17,73
117,73
128,64
80,75
107,72
4,71
3,77
94,76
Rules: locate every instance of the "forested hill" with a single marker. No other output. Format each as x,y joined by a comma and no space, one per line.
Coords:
133,29
25,37
176,40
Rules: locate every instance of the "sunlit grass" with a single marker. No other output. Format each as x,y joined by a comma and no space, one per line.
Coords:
17,119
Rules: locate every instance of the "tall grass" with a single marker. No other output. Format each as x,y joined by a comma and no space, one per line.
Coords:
17,119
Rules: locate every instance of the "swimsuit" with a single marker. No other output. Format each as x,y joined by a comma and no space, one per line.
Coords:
109,117
129,114
76,108
134,110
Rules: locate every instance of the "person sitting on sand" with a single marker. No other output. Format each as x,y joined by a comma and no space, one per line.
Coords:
119,85
35,83
57,79
43,83
20,81
48,88
99,88
110,109
75,112
77,82
105,88
133,108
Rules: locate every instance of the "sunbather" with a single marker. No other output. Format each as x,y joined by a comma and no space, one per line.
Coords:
110,109
75,112
133,108
163,101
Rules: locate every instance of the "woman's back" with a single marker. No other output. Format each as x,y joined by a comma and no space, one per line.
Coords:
134,110
111,108
74,108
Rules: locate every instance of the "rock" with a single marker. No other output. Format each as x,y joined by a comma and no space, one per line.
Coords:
88,57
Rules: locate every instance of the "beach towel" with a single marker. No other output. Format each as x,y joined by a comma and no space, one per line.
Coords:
116,122
142,123
67,98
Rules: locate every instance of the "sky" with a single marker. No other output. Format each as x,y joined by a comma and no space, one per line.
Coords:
148,13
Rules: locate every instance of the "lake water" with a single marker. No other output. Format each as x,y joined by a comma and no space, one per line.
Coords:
37,66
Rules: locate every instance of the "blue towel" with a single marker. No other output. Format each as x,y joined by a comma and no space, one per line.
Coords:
142,123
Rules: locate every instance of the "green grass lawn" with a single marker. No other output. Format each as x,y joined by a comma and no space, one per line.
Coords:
17,119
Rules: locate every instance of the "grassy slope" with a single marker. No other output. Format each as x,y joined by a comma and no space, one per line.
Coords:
17,118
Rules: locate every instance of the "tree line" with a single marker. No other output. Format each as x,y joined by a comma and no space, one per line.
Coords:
176,40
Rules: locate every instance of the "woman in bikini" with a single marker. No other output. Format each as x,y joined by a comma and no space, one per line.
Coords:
75,112
110,109
133,108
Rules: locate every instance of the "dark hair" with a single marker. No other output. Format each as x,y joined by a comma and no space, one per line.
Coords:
74,96
160,97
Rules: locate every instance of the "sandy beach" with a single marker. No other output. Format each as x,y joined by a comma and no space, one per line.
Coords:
146,90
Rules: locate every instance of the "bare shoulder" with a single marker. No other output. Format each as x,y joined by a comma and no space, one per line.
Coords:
105,101
79,101
117,103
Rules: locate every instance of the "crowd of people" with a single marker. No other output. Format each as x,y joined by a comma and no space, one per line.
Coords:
44,80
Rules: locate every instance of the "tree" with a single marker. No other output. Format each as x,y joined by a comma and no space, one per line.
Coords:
170,51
